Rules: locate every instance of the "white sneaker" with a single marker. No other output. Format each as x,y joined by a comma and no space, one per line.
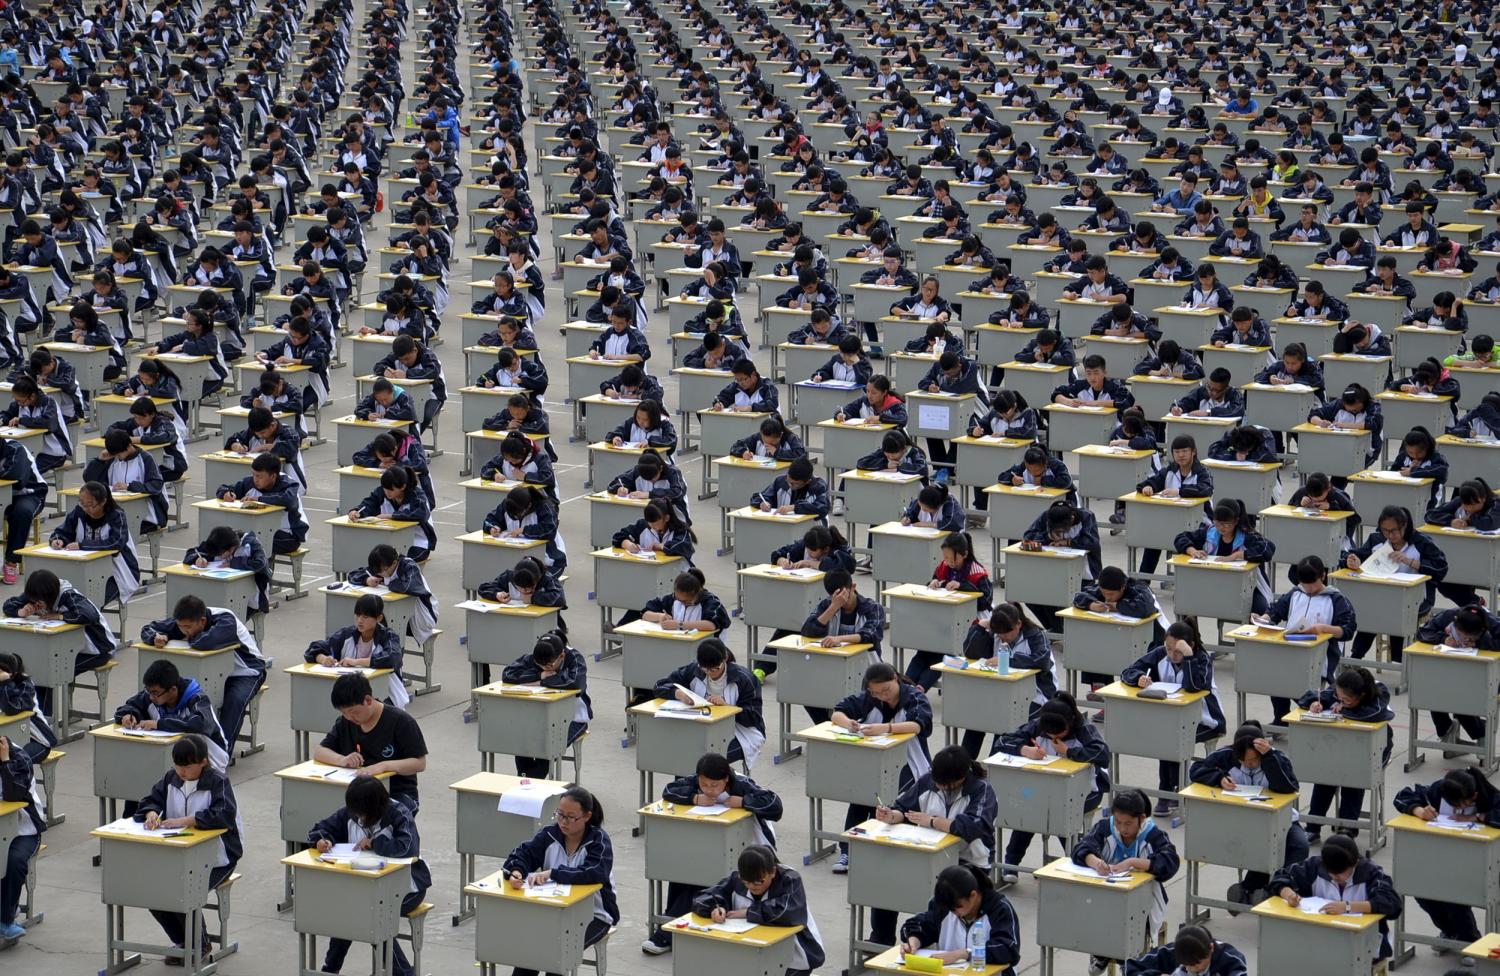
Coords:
654,949
1098,965
838,507
841,866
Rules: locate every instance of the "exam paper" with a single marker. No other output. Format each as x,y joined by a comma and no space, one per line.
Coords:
150,733
1006,759
1448,823
548,890
712,810
334,669
1172,688
528,799
1081,870
339,852
912,834
733,926
130,827
694,699
1461,651
220,573
1312,906
1245,790
340,775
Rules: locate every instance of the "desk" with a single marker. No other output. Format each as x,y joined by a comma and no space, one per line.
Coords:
651,653
1403,411
521,721
1163,729
351,434
1336,453
486,831
233,589
485,557
890,961
1266,663
1221,590
1278,408
50,653
1243,362
1484,963
627,581
847,769
610,513
481,497
980,698
1120,353
941,416
1341,753
1473,558
876,497
1118,910
672,744
242,517
89,570
812,402
310,791
1469,458
729,470
1416,343
1012,510
340,902
1234,832
758,534
1255,483
126,766
688,848
1069,428
606,462
1299,532
777,598
1035,381
1455,682
1340,370
814,676
1474,380
1383,605
924,619
352,541
1295,943
228,468
765,950
891,874
1190,327
1048,577
544,934
179,867
1461,867
498,633
208,667
1375,488
997,344
600,415
1100,643
981,459
905,553
1154,522
1039,798
1155,395
312,713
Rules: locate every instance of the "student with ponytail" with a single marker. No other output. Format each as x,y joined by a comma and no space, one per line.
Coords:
935,508
399,496
1193,950
1413,552
1230,536
1311,606
1180,659
1464,795
1466,626
1350,882
1420,458
717,677
1012,630
964,897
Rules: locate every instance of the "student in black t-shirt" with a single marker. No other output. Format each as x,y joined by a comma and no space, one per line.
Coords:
374,737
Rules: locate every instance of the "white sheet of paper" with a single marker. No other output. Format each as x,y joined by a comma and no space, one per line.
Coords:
690,716
549,890
1460,651
340,775
150,733
1006,759
1170,687
1448,823
528,799
478,606
1246,790
1081,870
709,811
733,926
128,827
912,834
1312,906
933,415
695,699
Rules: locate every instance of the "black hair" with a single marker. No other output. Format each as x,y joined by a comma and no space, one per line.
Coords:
713,652
593,810
958,882
714,766
367,798
756,862
161,674
191,749
1130,801
1059,715
1192,945
1357,681
1340,853
350,689
952,764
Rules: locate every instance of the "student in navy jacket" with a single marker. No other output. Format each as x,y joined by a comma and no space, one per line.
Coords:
690,606
1129,840
659,529
209,628
1415,552
573,850
1357,696
1251,760
822,547
1419,457
935,508
367,643
1467,625
1055,729
46,597
1184,477
209,804
772,894
1180,659
714,781
1009,628
1193,950
385,402
1313,607
1244,442
1095,387
1353,883
717,677
1066,524
953,797
97,522
1472,506
798,491
33,409
773,440
653,478
648,425
897,453
265,434
750,392
1216,396
953,373
269,486
1230,536
877,403
1008,416
18,694
372,821
1464,795
1049,348
411,360
1039,467
887,704
400,497
957,570
226,548
18,784
526,513
172,703
552,663
961,896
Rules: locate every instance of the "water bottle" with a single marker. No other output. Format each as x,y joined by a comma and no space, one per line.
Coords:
1002,661
979,939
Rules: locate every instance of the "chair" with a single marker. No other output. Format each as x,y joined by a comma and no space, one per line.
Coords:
220,945
416,924
47,773
100,687
293,560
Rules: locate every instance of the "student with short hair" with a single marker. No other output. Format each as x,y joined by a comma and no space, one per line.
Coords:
367,643
375,737
1129,840
771,894
95,523
208,628
1350,882
1357,696
552,663
171,703
1193,950
46,597
267,485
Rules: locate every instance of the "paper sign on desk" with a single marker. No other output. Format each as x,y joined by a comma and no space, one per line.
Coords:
340,775
219,573
933,415
528,799
709,811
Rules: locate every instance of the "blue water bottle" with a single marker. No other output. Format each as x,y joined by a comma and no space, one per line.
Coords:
1002,661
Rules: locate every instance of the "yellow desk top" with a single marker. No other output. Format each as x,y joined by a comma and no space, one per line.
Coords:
1182,560
78,555
482,484
1398,396
791,518
379,523
973,669
1107,452
382,423
926,594
1078,613
1295,717
9,807
1178,309
1018,549
1212,794
1177,501
1476,832
1276,907
1119,689
506,610
117,733
1296,511
758,937
499,689
709,713
1122,882
1376,476
890,961
873,832
1451,440
1262,466
1452,533
620,555
496,784
1266,635
756,464
770,572
1084,408
332,674
892,477
39,627
1035,367
249,507
828,732
176,837
992,441
480,537
814,645
1026,491
1484,948
608,499
353,592
312,771
663,810
183,649
1306,428
1431,650
1350,574
308,860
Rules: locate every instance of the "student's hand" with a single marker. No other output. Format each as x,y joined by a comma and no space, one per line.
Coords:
539,877
363,844
72,547
1290,896
1459,522
1425,813
905,520
681,695
921,819
515,880
717,700
911,945
1170,493
718,914
354,760
56,543
129,722
1033,752
1336,908
147,724
324,845
617,441
887,815
153,820
327,660
1315,708
669,623
1195,552
1352,561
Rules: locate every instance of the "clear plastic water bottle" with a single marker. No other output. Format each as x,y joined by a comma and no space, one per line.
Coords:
979,939
1002,661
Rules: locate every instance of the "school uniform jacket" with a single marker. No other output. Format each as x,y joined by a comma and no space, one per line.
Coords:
43,415
1085,536
668,488
18,695
1482,421
1020,427
912,462
741,689
138,474
972,812
395,836
1032,649
1113,390
708,607
967,380
1327,607
839,557
641,533
592,863
1195,673
763,399
1486,806
950,517
224,630
283,493
111,532
1086,745
548,592
663,435
810,499
1433,562
247,554
867,620
1055,476
286,444
945,931
1368,883
385,652
572,674
783,903
1225,960
1275,772
1486,519
18,785
211,805
911,706
400,407
75,608
193,713
762,803
427,367
1152,842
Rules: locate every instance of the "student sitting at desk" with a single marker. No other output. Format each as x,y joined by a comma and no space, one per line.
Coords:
511,369
98,522
887,704
1318,493
717,677
1170,361
718,317
622,340
714,352
1244,328
713,783
1121,321
1038,467
1133,431
1008,416
1429,377
1193,950
372,820
957,570
1230,536
648,426
1480,423
659,529
265,434
1182,660
1058,728
53,371
1351,884
1251,760
1472,506
194,794
385,402
1048,348
18,693
1355,409
367,729
773,440
749,393
18,784
552,663
848,365
410,359
1467,625
171,703
1009,630
935,508
763,891
574,850
225,548
276,393
1313,607
1069,526
1354,695
396,447
521,414
653,478
1462,795
32,409
690,606
208,628
1420,458
965,911
1245,442
399,497
897,453
526,513
1095,388
879,405
368,643
1184,477
1215,396
633,383
936,340
302,346
1129,840
1413,552
197,339
125,467
268,486
953,797
1293,367
797,491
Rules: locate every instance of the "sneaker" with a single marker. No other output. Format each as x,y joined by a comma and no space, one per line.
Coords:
1098,965
1236,894
1165,806
838,509
1118,518
12,932
653,948
760,675
1009,876
12,574
1315,835
841,866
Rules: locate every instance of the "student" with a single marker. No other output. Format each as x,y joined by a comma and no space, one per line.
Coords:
845,616
372,820
1311,606
573,850
519,459
878,405
764,891
209,628
1420,458
935,508
149,427
46,597
18,694
1096,388
1216,396
1010,630
384,566
1469,625
1193,951
648,427
269,486
1128,840
897,453
1351,883
822,547
1071,526
773,440
195,794
1038,467
1184,477
965,909
98,522
552,663
1008,416
1231,537
226,548
1357,696
126,467
18,784
1180,659
527,514
1471,507
957,570
399,497
1058,728
1251,760
886,704
714,782
749,393
1464,795
1318,494
690,606
374,737
659,529
717,677
367,643
1481,422
35,410
1354,409
172,703
953,797
1396,534
799,491
652,478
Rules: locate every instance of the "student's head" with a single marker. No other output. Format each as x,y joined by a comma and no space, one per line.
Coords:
1093,370
577,810
265,471
960,889
162,683
757,867
1340,857
549,648
1194,948
745,375
1310,575
952,767
220,542
1395,526
882,682
190,757
1059,719
1218,382
191,615
714,774
1355,686
369,613
1184,450
353,698
1181,638
367,799
1418,444
688,586
894,445
713,657
1131,811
